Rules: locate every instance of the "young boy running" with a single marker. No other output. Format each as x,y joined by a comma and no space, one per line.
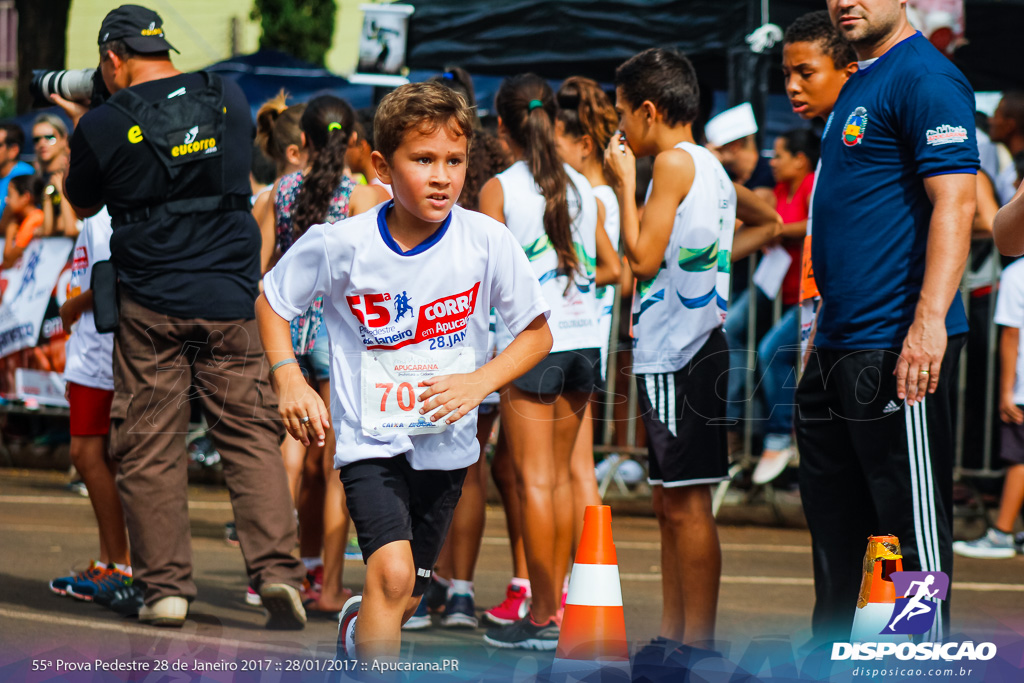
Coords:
679,350
407,288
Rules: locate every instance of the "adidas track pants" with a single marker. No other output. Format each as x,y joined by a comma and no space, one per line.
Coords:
869,464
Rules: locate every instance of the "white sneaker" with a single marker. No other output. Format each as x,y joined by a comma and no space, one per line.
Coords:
994,545
772,464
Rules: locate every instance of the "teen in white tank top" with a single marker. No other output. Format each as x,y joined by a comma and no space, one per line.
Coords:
573,319
675,312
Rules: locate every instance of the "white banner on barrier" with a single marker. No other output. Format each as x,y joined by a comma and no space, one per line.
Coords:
29,285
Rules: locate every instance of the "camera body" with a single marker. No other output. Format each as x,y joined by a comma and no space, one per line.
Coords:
80,85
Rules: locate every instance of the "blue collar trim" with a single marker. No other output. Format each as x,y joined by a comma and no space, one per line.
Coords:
382,227
888,52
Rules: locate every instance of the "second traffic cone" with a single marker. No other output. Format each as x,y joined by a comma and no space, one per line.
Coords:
877,592
593,632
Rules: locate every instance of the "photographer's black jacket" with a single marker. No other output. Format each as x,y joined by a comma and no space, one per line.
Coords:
184,241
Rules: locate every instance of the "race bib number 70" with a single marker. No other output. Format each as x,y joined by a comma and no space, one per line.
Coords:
391,385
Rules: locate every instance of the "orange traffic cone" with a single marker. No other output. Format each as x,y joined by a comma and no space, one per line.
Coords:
593,633
877,592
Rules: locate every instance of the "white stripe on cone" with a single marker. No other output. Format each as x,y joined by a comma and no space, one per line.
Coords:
594,585
870,620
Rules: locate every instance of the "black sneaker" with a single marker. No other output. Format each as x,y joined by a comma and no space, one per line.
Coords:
436,595
125,600
1018,542
346,648
524,635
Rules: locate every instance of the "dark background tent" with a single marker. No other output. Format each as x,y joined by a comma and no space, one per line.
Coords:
559,38
262,74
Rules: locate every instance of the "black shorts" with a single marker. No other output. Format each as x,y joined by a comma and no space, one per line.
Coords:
1011,443
390,501
684,415
562,372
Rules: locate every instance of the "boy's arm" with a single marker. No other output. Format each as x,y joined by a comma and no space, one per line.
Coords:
1009,412
459,394
645,242
296,399
761,223
74,307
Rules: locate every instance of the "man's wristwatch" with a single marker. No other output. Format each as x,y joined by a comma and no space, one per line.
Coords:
53,194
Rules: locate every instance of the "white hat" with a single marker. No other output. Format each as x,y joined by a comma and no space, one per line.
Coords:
731,124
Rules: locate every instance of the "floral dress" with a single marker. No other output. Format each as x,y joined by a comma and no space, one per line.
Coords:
305,327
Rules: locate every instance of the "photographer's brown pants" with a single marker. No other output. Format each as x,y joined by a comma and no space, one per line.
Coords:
160,363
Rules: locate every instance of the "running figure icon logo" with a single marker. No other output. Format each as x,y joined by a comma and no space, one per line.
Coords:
402,305
914,613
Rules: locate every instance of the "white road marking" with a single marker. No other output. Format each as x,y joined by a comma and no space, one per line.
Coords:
152,632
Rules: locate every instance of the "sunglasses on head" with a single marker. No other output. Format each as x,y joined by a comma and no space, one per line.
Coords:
50,139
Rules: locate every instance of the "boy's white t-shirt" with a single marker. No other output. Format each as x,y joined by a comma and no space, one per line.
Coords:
675,312
1010,313
606,294
89,353
573,319
431,300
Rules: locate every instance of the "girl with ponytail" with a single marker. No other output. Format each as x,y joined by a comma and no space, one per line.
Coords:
279,137
321,192
551,210
586,122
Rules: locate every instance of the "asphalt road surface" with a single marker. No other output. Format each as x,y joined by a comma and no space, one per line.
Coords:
766,596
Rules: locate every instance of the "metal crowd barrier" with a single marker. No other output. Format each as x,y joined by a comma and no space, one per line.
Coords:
619,387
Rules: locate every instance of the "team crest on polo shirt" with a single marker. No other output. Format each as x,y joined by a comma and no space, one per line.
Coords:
856,124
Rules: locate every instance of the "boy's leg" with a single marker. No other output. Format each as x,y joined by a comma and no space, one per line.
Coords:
240,406
89,455
1012,499
387,591
691,563
684,414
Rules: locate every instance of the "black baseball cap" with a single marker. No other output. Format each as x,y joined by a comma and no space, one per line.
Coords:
140,28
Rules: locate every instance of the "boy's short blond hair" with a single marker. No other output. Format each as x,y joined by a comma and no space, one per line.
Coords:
423,106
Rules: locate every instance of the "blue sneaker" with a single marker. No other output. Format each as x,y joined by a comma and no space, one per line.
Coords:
420,619
62,585
105,581
352,551
460,612
994,545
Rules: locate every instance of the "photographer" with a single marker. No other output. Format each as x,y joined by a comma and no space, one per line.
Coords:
168,154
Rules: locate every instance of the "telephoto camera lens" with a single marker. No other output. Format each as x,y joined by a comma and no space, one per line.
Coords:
76,85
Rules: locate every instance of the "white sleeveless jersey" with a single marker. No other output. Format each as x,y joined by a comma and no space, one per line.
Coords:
89,353
606,295
573,320
431,300
675,312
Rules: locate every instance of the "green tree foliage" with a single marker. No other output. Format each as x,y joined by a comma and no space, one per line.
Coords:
301,28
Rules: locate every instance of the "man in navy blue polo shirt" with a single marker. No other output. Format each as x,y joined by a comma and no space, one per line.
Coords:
893,206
